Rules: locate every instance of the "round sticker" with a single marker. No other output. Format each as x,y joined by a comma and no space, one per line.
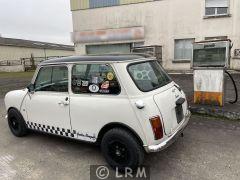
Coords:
79,83
110,76
93,88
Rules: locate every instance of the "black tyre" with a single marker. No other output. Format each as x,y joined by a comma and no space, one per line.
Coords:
16,123
121,149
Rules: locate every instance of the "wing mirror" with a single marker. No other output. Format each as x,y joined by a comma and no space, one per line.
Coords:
31,88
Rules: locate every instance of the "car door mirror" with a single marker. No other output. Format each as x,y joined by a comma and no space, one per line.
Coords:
31,88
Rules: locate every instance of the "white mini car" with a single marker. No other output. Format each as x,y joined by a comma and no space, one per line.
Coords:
126,103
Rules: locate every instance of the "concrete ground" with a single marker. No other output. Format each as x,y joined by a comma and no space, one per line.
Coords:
208,150
230,111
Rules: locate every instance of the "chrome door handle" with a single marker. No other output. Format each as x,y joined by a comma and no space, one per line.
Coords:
63,103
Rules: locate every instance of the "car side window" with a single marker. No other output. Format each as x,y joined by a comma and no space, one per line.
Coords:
94,78
52,78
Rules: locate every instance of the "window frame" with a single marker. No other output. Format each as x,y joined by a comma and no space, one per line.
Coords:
216,10
177,60
52,65
94,94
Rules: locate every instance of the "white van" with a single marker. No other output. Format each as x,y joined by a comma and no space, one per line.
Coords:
126,103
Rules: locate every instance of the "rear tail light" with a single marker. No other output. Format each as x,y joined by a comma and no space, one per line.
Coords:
157,127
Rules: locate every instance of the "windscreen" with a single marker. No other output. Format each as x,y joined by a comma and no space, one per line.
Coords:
148,75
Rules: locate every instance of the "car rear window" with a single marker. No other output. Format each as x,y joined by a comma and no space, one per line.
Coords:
148,75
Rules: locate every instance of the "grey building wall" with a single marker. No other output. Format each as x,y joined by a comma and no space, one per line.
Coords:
164,22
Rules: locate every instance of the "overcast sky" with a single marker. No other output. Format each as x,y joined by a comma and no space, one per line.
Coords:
41,20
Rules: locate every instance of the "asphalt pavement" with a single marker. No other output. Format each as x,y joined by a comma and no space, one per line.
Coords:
208,150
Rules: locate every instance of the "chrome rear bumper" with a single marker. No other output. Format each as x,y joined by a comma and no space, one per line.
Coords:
172,138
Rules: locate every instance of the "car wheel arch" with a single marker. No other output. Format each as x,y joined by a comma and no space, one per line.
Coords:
110,126
16,122
17,111
10,108
14,109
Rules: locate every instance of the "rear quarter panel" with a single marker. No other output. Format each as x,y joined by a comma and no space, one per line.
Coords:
134,94
150,109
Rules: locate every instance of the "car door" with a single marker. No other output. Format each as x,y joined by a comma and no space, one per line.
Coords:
48,106
95,100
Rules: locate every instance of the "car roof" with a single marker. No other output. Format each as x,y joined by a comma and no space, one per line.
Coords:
96,58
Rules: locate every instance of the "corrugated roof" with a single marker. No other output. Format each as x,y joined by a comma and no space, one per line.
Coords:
34,44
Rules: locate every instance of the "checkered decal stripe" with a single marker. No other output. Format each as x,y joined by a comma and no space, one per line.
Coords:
52,130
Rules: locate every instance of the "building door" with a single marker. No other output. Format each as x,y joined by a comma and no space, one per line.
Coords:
108,48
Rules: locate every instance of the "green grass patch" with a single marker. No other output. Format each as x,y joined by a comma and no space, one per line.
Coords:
213,117
27,74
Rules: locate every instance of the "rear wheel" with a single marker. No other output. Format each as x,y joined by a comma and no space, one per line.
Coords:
16,123
121,149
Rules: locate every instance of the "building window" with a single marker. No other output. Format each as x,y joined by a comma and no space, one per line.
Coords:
183,49
108,48
102,3
89,4
216,7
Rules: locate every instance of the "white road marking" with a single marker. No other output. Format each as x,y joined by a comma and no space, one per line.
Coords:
6,171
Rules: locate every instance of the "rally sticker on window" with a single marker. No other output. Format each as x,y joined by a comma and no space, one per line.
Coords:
110,76
85,83
105,85
104,91
79,82
95,80
93,88
74,82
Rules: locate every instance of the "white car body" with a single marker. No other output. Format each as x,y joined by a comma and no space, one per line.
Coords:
86,116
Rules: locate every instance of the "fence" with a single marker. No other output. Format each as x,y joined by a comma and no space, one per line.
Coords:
27,63
31,63
10,62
